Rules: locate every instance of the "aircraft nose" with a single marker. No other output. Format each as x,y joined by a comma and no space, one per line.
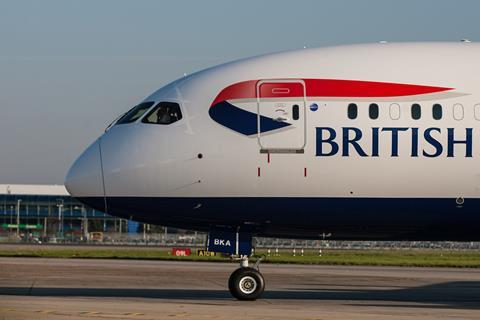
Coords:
85,179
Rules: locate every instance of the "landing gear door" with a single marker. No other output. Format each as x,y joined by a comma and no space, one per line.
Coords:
281,116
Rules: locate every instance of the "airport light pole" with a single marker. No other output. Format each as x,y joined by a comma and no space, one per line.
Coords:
60,222
120,227
18,216
85,223
166,235
144,233
11,214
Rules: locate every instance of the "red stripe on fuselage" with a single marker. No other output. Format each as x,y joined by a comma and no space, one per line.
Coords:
330,88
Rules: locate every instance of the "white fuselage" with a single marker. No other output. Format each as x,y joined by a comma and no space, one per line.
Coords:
217,150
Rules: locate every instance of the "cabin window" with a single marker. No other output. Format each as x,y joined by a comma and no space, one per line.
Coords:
437,111
373,111
477,111
352,111
135,113
164,113
394,111
295,112
416,111
457,111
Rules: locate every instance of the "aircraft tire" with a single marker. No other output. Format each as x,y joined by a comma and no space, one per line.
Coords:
246,284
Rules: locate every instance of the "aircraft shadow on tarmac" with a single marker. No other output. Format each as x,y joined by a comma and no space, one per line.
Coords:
456,294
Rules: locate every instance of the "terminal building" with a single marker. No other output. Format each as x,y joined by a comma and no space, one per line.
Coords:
49,213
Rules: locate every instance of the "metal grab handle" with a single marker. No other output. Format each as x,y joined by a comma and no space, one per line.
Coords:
280,119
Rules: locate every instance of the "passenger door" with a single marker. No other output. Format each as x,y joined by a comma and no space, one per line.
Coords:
281,116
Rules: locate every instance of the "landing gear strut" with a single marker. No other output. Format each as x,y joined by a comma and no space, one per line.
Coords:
246,283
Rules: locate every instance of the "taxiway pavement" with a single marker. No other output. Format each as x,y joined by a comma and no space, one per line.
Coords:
35,288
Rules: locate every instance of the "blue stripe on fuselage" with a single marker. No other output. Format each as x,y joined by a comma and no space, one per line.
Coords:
242,121
346,218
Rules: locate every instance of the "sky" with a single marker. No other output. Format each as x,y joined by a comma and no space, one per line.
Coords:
68,68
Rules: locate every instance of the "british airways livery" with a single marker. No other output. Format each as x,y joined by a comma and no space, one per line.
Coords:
376,141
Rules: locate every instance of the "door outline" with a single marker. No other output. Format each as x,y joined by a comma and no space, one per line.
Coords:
282,150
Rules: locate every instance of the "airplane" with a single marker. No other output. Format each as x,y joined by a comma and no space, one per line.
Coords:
375,141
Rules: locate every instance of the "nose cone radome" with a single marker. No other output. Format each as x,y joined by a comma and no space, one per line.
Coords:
84,179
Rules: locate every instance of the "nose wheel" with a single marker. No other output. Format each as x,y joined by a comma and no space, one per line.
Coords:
246,283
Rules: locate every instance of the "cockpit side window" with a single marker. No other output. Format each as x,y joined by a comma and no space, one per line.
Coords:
164,113
135,113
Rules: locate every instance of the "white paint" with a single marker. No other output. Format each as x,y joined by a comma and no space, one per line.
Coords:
161,161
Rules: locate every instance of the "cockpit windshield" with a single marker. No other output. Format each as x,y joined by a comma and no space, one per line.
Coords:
164,113
135,113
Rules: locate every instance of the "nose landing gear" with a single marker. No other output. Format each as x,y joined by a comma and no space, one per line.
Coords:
246,283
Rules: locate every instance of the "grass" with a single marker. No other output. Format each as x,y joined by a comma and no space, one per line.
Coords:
403,257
